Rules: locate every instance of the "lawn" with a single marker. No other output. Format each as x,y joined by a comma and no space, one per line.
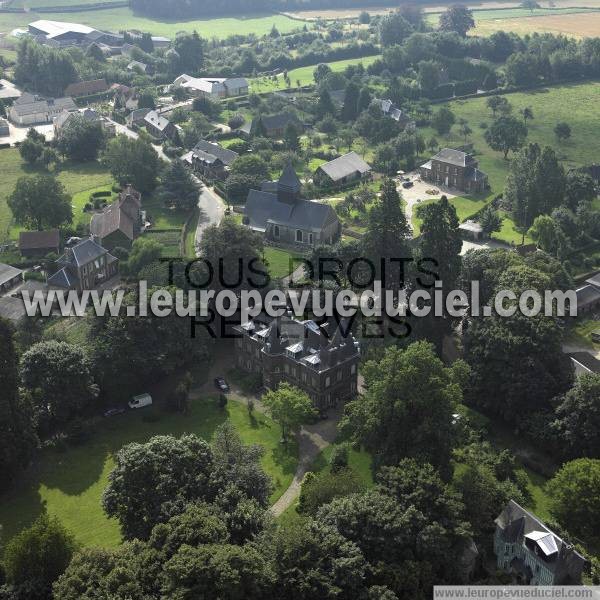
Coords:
69,485
278,262
118,19
305,74
581,330
569,103
79,179
80,199
162,217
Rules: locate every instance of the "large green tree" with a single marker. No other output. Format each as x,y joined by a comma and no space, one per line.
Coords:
407,408
394,29
290,407
133,161
179,188
17,437
574,494
506,134
59,377
457,18
81,140
40,202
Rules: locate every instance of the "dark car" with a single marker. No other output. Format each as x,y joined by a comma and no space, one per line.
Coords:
407,184
221,384
112,412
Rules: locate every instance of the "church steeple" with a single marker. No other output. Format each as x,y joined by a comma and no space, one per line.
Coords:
289,185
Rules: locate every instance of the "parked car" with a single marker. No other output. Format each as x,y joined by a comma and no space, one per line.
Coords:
112,412
221,384
140,401
407,184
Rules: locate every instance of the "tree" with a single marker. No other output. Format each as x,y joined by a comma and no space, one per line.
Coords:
433,144
407,408
290,407
144,251
429,75
394,29
506,134
147,99
190,52
250,165
465,130
498,104
173,472
17,436
32,147
321,488
580,480
579,189
81,140
457,18
443,120
530,4
208,107
321,72
364,100
577,421
59,376
133,161
350,106
388,234
490,220
547,234
291,138
562,131
527,114
179,188
40,202
364,18
325,104
38,555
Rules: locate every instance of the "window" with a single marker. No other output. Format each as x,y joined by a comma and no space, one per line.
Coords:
327,381
352,369
339,375
276,231
299,237
310,238
286,368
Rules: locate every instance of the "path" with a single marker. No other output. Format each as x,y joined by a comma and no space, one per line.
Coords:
212,210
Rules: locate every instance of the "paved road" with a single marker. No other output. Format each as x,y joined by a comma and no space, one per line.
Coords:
212,210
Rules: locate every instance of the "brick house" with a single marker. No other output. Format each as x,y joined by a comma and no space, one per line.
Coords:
454,169
320,360
531,552
83,267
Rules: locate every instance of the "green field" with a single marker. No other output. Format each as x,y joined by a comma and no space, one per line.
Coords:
118,19
305,74
569,103
278,261
79,179
69,485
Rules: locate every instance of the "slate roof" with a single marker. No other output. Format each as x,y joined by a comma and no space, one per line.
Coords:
516,524
452,157
86,88
344,166
88,114
586,295
83,253
263,208
28,104
225,155
8,272
39,240
62,279
278,121
587,361
156,120
289,179
594,280
115,217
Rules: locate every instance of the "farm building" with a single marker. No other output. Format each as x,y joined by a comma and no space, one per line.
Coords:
86,88
61,34
30,109
278,211
39,243
88,114
340,171
9,277
216,87
272,126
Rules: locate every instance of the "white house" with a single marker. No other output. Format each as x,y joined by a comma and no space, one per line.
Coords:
30,109
215,87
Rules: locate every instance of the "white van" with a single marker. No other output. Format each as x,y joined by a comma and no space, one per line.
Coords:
140,401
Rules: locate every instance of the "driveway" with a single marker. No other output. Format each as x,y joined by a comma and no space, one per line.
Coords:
212,210
18,133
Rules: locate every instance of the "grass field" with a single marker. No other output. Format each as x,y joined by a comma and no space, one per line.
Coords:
69,485
304,74
79,181
117,19
569,103
279,262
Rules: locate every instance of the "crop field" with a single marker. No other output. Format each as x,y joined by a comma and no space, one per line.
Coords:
117,19
576,24
33,4
304,75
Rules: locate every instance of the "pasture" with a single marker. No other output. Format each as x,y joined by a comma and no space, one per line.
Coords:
118,19
79,179
69,485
